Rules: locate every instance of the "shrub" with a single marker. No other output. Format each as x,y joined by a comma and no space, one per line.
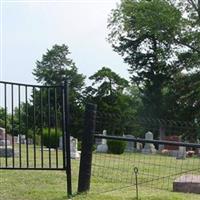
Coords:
37,137
116,146
52,140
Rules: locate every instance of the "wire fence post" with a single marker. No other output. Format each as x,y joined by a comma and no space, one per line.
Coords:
86,151
136,181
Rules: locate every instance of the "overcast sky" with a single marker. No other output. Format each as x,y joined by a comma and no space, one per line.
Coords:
29,28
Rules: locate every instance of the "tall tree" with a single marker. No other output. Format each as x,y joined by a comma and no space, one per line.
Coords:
144,33
56,67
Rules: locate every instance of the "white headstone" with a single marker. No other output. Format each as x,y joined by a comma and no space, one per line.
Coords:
129,144
138,146
103,147
149,147
60,142
74,148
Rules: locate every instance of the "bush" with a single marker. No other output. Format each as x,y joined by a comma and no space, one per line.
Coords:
37,137
52,140
116,146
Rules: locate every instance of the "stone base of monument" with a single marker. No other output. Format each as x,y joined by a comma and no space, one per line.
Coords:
149,148
8,152
149,151
102,148
75,155
187,184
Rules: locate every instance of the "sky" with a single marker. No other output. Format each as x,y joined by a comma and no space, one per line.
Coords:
29,28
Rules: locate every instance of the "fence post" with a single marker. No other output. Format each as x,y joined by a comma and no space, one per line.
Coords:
86,150
66,142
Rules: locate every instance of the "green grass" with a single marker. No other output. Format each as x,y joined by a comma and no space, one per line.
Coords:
113,178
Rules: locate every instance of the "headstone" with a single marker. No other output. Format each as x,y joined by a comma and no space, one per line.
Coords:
21,139
187,184
139,146
161,137
6,152
15,139
4,136
74,148
181,153
30,141
2,133
173,150
103,147
4,142
60,142
149,147
197,150
129,144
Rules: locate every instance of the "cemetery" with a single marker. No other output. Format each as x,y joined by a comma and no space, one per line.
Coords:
165,167
100,100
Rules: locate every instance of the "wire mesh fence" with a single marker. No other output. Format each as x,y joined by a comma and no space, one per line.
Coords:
156,155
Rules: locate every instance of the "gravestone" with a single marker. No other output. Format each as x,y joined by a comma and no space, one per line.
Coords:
5,148
74,148
15,139
6,152
103,147
3,136
173,150
161,137
74,153
139,146
187,184
129,144
30,141
99,141
5,142
149,147
21,139
60,142
181,153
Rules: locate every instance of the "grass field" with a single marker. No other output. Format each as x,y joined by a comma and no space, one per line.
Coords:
113,178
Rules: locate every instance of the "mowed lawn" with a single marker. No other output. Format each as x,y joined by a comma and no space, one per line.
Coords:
113,178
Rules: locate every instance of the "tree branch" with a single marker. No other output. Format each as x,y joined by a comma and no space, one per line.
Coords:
192,3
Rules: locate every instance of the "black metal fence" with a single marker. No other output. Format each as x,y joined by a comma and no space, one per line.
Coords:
34,123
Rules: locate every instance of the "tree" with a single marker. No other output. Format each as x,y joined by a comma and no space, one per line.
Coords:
189,36
56,67
144,33
116,101
106,87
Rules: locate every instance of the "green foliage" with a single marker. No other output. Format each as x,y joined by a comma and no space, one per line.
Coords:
116,146
51,137
157,42
114,96
54,68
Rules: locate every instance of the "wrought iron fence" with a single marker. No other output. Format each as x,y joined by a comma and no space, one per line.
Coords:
34,122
